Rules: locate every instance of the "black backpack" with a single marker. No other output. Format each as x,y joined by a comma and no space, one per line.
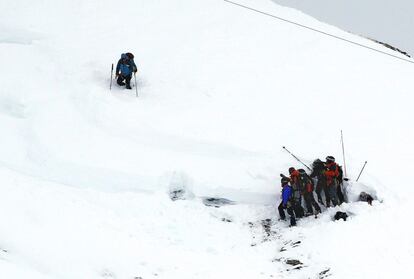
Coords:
340,215
304,181
340,177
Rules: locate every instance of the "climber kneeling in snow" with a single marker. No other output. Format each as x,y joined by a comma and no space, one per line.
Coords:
124,69
287,201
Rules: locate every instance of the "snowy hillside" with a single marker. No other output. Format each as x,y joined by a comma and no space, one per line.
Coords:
85,172
386,21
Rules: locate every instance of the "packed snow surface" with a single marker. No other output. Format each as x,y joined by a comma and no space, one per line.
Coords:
85,173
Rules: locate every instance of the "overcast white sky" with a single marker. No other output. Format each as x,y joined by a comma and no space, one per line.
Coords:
390,21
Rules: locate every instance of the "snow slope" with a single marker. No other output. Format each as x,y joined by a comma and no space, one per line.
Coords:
85,172
382,20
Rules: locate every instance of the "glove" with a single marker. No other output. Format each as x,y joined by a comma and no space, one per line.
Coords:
135,70
116,74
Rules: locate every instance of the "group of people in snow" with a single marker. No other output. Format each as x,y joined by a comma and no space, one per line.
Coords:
298,186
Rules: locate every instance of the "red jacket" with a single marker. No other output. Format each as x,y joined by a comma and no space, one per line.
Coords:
331,173
308,187
294,177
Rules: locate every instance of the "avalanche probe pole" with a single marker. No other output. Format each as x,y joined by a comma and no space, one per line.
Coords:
343,151
297,159
362,170
136,87
112,70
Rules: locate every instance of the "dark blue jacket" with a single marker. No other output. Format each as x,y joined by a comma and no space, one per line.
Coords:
125,65
286,194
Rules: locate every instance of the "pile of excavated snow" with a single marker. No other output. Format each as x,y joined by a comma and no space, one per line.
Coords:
86,173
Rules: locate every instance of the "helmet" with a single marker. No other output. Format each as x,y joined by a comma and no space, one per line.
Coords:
330,159
285,180
291,169
302,171
317,162
130,55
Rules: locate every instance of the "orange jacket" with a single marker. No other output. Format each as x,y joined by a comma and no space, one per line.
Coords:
331,173
294,177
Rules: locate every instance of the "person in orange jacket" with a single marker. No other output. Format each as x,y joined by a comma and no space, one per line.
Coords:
297,192
331,174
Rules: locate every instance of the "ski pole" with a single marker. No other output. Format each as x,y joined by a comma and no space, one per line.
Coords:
136,87
112,70
361,170
297,159
343,152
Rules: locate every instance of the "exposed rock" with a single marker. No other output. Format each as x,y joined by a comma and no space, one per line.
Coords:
293,262
217,202
324,274
392,47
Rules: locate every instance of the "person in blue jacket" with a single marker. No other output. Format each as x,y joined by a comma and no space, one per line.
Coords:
124,69
286,201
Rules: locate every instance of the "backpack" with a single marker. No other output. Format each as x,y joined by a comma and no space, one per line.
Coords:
317,169
340,215
305,182
340,176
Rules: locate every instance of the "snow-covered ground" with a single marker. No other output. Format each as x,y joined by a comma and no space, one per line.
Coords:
85,172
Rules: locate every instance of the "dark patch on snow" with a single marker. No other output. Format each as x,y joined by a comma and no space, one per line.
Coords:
293,262
297,268
264,230
324,274
226,220
217,202
269,232
290,243
297,265
178,186
107,274
177,194
267,225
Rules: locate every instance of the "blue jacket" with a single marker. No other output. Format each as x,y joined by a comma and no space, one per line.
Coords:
286,194
125,65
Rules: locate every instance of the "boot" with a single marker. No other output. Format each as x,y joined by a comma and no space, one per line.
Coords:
120,81
292,221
